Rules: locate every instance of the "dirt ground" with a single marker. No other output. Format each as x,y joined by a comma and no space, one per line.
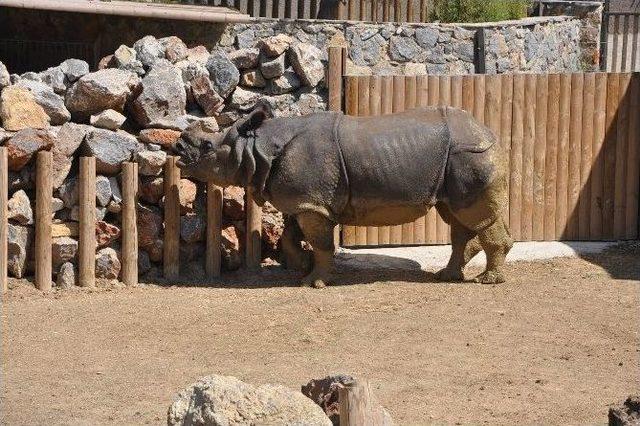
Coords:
556,344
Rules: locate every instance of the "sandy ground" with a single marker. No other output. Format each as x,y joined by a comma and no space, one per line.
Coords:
556,344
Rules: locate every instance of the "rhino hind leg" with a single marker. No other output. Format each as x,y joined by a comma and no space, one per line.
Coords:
318,231
293,256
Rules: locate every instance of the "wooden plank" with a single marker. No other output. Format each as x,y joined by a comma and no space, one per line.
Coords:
616,46
386,105
410,13
399,234
493,103
335,78
43,221
610,41
363,111
505,128
213,254
633,158
563,155
551,157
171,248
4,218
636,46
597,168
515,158
87,225
575,136
479,97
468,93
253,237
528,144
129,223
608,188
351,108
586,163
431,218
622,124
539,157
443,231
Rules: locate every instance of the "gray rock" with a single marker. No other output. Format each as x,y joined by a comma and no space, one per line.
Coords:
19,208
276,45
63,249
244,100
444,37
115,189
99,91
531,46
427,37
365,52
163,96
107,263
175,49
220,400
306,61
110,149
124,58
55,78
286,83
464,50
403,49
149,50
19,241
272,67
52,103
74,214
56,204
109,119
144,263
73,69
5,78
463,34
30,76
68,192
66,277
177,123
60,167
246,39
224,74
192,228
103,190
70,137
245,58
150,163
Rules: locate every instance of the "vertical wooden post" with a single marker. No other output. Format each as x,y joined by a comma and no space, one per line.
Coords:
171,249
87,226
335,78
129,223
359,407
214,229
43,220
253,233
4,214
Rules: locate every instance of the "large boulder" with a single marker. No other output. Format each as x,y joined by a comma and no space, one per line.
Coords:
233,203
151,190
245,58
73,69
70,137
224,74
52,103
60,167
124,58
106,233
192,228
223,400
110,149
307,61
19,241
19,208
107,263
24,144
20,110
163,96
149,50
150,225
101,90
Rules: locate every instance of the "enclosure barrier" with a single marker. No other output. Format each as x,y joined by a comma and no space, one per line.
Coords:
4,214
621,41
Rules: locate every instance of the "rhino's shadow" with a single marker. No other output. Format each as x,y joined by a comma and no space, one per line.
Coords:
351,269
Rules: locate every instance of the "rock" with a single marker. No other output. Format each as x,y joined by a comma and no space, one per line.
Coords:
243,99
74,214
253,78
246,38
51,103
60,167
162,97
103,190
73,69
68,192
106,233
272,68
230,247
99,91
310,102
272,228
144,262
307,62
403,49
116,195
107,263
627,413
5,79
149,50
109,119
19,110
276,45
151,190
222,400
366,47
63,249
245,58
19,241
65,229
110,149
24,144
206,96
155,250
125,59
287,82
70,137
150,163
205,125
66,277
198,54
427,37
163,137
325,393
56,204
190,252
114,207
105,62
224,74
464,50
19,208
5,136
150,225
187,193
175,49
54,77
233,203
192,228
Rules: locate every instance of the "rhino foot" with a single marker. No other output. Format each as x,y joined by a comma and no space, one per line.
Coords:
490,277
450,275
314,280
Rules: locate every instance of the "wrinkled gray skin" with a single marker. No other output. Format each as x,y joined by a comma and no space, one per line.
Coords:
325,169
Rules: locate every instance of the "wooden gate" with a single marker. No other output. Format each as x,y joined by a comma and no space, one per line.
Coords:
573,142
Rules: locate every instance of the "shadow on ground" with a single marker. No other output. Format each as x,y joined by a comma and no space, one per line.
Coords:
611,260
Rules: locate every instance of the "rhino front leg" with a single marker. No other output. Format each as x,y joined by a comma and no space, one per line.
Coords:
318,230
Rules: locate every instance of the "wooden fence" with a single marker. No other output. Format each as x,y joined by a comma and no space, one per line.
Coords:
573,142
129,246
621,41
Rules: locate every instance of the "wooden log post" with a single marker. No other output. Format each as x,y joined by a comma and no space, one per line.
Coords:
214,228
129,223
335,85
253,234
171,248
87,225
4,221
43,220
358,406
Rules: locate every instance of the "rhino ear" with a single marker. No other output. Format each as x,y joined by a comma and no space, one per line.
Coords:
253,120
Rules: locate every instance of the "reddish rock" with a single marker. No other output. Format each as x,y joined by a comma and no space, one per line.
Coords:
106,233
233,203
206,96
231,256
107,263
187,192
272,228
149,225
151,190
25,143
163,137
105,62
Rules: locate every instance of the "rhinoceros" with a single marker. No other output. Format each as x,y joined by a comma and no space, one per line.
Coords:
328,168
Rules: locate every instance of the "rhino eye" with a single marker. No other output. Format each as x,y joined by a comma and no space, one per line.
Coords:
207,145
